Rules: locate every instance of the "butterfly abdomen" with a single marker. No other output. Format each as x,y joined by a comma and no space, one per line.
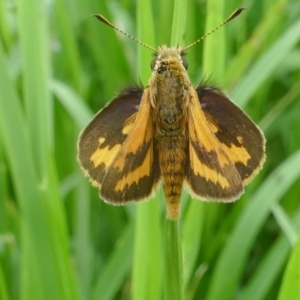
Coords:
172,159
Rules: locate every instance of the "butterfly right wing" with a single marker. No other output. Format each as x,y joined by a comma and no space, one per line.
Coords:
102,139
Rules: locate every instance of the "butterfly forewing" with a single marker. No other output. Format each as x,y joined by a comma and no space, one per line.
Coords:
210,172
134,173
102,139
239,136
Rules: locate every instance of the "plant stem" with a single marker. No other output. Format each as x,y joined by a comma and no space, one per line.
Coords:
173,253
173,262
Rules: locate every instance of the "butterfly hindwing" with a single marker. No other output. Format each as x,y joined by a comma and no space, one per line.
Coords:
241,138
134,173
102,139
210,172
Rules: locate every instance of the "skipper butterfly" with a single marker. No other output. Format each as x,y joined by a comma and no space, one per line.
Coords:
171,133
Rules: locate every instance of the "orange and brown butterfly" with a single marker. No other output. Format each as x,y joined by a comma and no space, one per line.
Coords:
171,133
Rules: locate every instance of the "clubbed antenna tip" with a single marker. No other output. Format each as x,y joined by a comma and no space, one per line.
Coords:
232,16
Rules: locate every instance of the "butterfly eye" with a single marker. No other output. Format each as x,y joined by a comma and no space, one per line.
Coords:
184,62
153,62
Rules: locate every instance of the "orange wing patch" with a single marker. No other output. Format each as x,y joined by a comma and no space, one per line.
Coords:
134,173
100,142
210,173
237,133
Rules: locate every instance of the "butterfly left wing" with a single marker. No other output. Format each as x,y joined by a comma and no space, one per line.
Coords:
102,139
240,137
210,172
134,173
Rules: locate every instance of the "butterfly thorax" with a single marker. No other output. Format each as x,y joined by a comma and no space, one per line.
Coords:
169,86
169,93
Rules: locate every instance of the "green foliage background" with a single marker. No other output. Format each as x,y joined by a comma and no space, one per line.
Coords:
58,67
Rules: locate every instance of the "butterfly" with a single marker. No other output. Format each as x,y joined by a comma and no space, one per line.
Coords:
174,134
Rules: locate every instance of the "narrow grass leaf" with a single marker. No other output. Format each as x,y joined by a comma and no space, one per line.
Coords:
214,45
36,214
290,288
234,255
246,54
3,286
179,23
173,262
192,237
270,268
72,102
70,51
147,249
279,108
36,72
266,64
116,268
285,223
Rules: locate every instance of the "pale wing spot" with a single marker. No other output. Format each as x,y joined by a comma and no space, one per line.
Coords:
240,139
238,154
212,125
128,124
213,128
105,155
134,176
202,170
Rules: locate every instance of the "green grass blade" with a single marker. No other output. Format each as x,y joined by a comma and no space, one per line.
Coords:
290,288
21,164
179,23
72,102
47,247
214,46
147,269
173,262
234,255
279,108
71,60
116,268
270,268
27,148
266,64
36,70
246,54
285,223
192,237
146,263
3,286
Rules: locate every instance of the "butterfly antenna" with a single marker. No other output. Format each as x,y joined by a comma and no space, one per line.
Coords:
232,16
105,21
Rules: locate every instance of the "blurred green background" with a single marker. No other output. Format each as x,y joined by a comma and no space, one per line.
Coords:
58,67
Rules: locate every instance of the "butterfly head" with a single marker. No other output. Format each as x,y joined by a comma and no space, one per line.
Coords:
166,59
